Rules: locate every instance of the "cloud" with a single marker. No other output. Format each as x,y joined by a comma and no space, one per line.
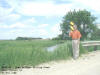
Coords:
43,25
11,18
20,29
43,9
42,32
29,21
6,14
14,16
4,26
5,11
17,25
50,8
21,20
55,30
32,20
89,4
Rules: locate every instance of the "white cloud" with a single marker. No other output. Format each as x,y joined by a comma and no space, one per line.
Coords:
55,30
4,26
28,21
6,14
16,25
43,9
49,8
43,25
11,18
42,32
32,20
89,4
5,11
14,16
39,8
20,29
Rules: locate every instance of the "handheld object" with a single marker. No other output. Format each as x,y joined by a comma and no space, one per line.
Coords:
71,25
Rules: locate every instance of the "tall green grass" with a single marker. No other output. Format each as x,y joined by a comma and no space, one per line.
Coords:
25,53
31,53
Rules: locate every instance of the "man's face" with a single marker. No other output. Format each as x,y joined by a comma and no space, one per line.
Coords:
75,27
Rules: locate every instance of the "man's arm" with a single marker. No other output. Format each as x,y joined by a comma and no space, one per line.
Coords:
70,33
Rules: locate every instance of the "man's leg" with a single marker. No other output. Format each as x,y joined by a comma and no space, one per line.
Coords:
75,47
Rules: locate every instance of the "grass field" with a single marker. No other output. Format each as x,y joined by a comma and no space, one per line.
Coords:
31,53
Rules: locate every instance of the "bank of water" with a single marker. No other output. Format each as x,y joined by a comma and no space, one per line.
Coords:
51,48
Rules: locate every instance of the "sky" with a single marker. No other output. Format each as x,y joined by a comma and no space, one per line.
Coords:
39,18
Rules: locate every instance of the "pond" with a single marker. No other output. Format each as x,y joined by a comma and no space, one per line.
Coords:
52,48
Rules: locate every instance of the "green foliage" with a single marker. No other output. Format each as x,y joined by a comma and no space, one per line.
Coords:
84,21
82,49
96,35
26,38
64,51
20,53
31,53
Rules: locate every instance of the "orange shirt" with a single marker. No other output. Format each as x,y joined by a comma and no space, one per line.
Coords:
75,34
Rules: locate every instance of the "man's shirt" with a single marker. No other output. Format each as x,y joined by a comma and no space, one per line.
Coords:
75,34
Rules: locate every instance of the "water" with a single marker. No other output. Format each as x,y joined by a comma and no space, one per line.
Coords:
52,48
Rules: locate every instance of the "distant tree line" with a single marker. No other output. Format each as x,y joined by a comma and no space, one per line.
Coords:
27,38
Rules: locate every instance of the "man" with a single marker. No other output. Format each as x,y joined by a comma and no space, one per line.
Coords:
76,35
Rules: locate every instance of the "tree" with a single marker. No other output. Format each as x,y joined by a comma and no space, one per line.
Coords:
84,21
96,35
27,38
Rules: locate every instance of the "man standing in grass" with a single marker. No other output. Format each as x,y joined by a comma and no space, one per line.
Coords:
75,35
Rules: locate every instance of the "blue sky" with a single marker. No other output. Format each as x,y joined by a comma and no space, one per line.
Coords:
39,18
